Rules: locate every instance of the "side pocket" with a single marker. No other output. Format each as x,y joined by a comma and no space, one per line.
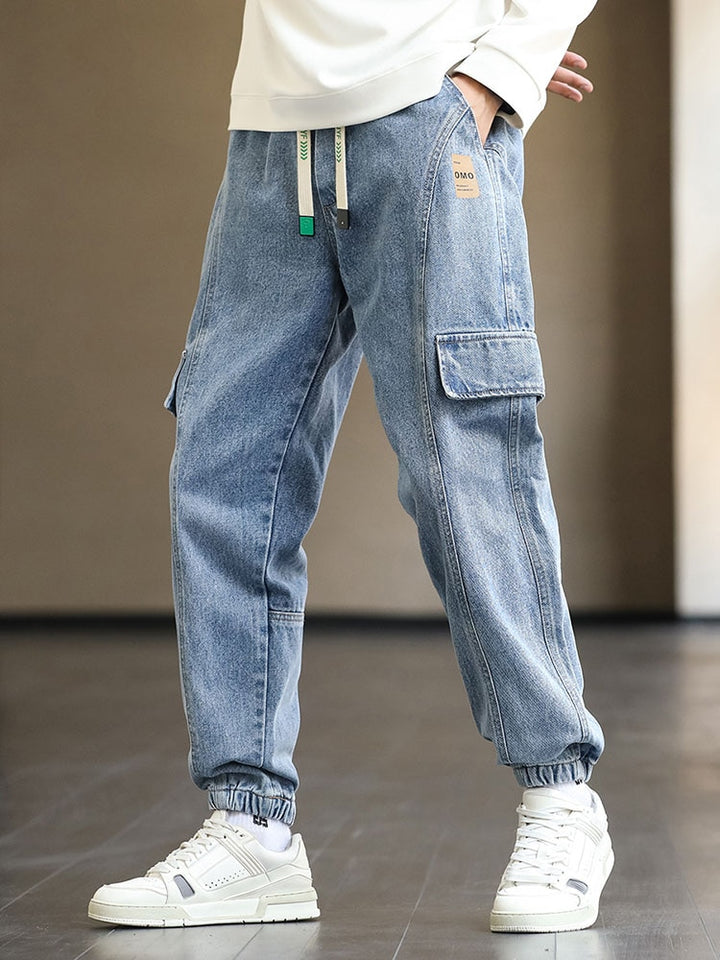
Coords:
492,363
170,401
463,100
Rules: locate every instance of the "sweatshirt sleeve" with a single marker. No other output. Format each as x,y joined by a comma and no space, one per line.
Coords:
517,57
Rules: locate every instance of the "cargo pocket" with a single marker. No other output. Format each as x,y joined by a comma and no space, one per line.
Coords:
171,399
493,363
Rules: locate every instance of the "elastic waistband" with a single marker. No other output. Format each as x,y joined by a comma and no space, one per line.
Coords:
306,212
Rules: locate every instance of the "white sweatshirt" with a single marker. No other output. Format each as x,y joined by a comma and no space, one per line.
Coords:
310,64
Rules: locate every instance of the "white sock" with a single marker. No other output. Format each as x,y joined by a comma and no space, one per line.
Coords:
272,834
576,791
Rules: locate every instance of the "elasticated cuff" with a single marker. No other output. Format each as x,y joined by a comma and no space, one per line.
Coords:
548,774
245,801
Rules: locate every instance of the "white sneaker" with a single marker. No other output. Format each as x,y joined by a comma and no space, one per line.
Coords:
560,863
221,875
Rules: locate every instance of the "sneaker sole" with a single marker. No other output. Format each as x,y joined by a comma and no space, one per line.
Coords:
271,909
579,919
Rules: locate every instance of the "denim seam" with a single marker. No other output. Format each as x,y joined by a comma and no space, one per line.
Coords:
328,218
484,335
546,617
286,614
502,237
180,604
551,763
492,394
441,142
270,613
216,221
271,525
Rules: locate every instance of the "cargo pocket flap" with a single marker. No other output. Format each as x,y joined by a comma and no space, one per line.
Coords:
171,399
490,364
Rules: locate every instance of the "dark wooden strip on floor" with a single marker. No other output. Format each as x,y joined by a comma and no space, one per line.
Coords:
407,818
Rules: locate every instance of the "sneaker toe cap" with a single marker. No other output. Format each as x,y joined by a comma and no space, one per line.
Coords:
140,892
529,898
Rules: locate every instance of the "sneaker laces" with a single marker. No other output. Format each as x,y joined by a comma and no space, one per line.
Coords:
190,850
542,846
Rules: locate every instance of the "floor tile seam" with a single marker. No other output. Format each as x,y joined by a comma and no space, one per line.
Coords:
89,853
102,935
680,873
50,812
438,843
315,853
256,932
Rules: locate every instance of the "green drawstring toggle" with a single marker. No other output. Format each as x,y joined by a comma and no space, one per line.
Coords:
305,197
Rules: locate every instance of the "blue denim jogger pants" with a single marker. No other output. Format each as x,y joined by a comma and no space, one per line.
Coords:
431,283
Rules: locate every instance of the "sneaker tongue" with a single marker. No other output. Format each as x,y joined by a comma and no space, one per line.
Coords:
219,816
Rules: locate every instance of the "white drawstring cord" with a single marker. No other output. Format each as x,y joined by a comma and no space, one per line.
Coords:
341,195
305,198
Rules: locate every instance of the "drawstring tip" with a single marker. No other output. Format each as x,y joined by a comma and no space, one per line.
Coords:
343,219
307,226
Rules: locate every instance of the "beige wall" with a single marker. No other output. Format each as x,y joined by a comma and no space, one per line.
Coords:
115,118
696,210
600,223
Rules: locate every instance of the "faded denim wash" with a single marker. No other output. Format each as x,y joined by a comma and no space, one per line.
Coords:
434,289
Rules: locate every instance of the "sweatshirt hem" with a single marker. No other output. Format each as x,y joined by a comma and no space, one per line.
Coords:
375,98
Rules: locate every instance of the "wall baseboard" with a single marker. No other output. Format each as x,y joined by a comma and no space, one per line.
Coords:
317,622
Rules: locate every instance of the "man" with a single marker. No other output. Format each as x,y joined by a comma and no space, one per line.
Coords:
371,205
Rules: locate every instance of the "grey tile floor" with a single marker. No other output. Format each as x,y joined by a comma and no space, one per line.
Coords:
407,819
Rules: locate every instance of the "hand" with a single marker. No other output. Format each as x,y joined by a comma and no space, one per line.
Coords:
483,102
566,82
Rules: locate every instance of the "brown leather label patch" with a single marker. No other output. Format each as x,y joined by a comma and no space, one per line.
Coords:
466,184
